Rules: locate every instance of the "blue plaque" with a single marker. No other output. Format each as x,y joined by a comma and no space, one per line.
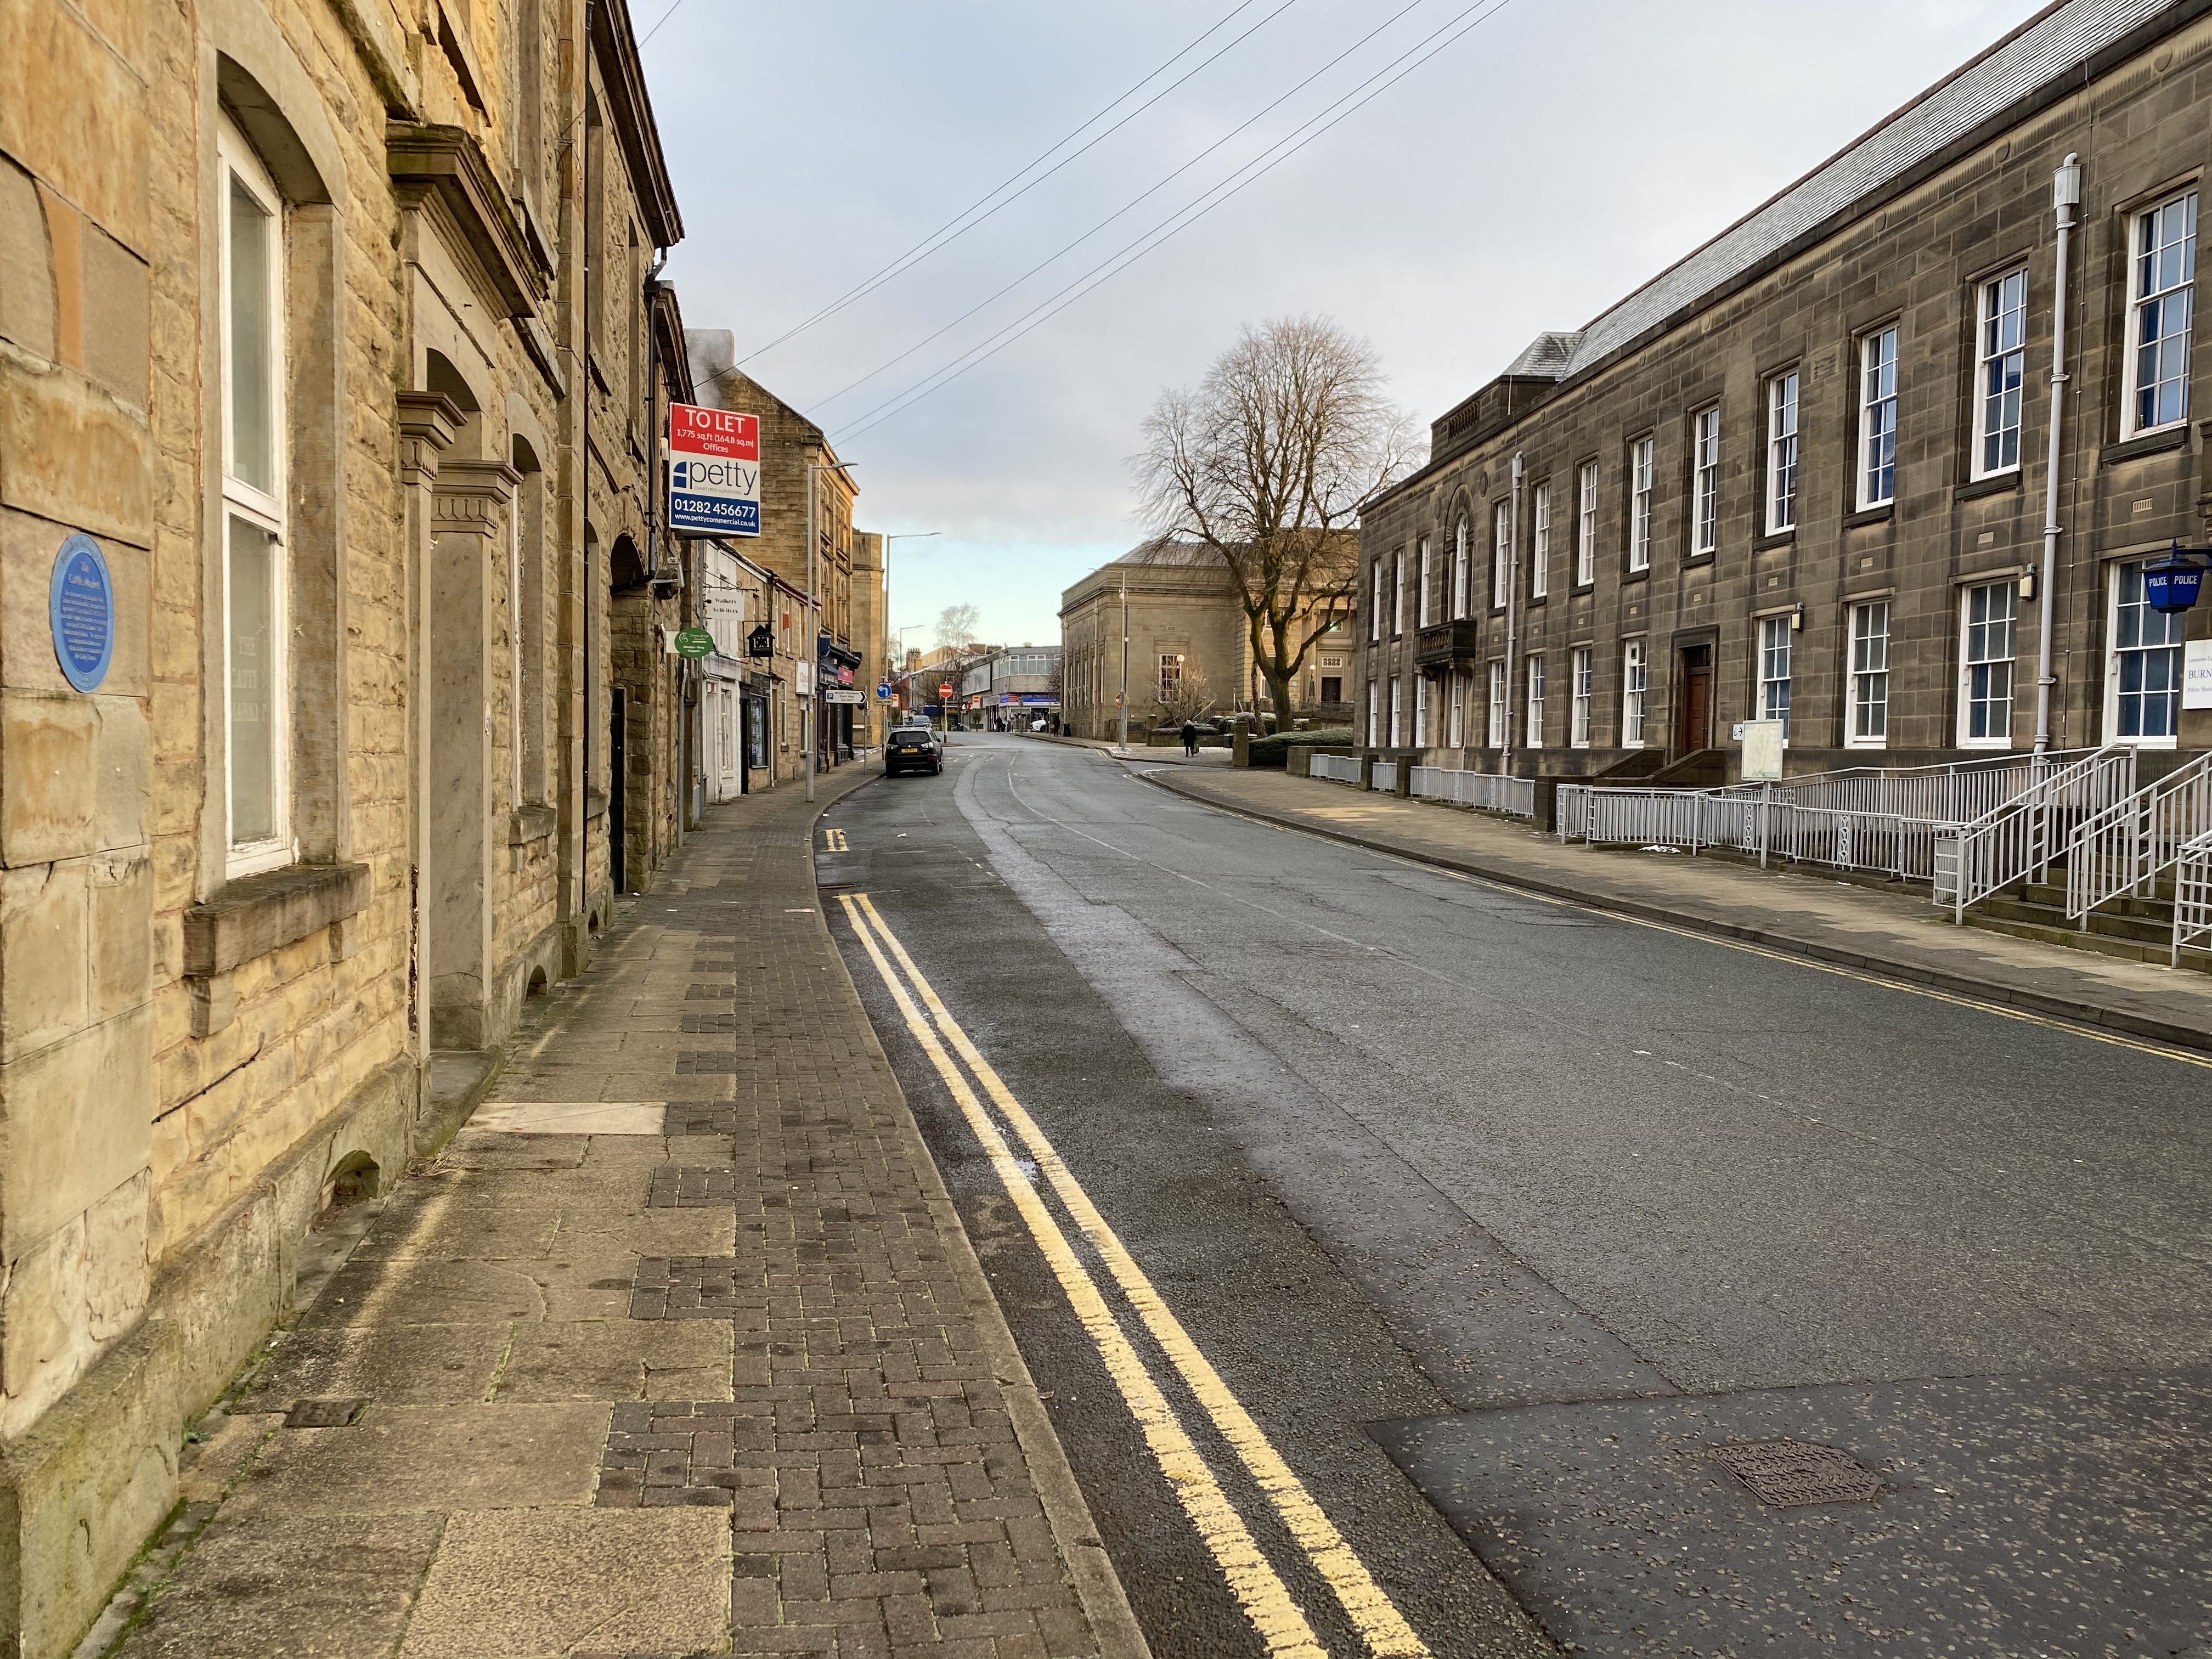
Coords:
81,609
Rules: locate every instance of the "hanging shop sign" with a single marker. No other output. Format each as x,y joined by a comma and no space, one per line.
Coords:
693,643
713,482
80,611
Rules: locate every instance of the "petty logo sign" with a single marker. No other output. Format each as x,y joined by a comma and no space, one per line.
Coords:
714,486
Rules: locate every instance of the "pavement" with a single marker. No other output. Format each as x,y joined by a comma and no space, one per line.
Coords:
1883,930
678,1348
1606,1285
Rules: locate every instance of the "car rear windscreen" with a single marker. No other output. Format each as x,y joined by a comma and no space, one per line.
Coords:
911,734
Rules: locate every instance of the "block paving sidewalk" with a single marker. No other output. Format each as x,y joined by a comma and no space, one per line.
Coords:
677,1349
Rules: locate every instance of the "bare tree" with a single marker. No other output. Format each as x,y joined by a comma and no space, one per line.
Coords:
1186,697
1266,464
959,625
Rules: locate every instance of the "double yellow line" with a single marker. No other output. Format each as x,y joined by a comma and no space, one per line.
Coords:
1259,1590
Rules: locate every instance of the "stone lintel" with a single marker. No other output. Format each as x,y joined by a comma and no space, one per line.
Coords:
256,914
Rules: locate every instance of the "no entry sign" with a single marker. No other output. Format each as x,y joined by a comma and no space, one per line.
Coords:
714,487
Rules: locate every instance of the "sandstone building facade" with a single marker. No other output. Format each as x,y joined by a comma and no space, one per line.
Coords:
328,331
1802,474
1186,625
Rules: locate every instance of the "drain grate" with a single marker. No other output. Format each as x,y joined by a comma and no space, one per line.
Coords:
1783,1473
323,1414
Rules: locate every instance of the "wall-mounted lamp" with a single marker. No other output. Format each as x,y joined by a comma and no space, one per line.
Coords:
1798,617
2027,585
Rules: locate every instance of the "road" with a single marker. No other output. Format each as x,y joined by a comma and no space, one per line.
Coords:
1492,1217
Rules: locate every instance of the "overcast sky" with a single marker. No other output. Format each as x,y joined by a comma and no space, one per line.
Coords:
1534,170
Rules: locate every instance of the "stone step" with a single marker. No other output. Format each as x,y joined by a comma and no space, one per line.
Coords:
2102,944
2105,925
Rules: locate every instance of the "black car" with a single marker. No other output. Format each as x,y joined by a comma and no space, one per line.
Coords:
913,749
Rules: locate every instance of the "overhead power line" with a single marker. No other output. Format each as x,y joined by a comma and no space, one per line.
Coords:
1127,207
953,228
1460,25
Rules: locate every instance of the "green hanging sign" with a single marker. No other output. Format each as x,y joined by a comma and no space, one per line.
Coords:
693,643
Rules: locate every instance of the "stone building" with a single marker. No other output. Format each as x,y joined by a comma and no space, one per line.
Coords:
1803,473
329,350
796,459
1186,626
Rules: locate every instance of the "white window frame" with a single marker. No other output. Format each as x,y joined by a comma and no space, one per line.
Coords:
1641,454
1496,733
2117,654
1539,556
2152,292
1877,447
1397,710
1777,647
1375,610
2000,373
1974,643
1706,482
1374,710
1422,603
1866,681
1782,390
1586,524
1459,595
1533,672
259,508
1398,593
1501,554
1420,711
1635,677
1581,682
1456,732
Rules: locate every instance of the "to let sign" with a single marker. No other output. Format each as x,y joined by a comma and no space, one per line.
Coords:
714,485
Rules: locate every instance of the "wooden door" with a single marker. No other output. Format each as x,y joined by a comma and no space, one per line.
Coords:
1694,729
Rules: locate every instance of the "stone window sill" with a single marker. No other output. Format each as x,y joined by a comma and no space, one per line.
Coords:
255,915
528,823
2151,443
595,803
1998,483
1780,539
1881,514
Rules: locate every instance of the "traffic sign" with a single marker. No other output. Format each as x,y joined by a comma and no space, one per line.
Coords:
945,690
714,471
884,692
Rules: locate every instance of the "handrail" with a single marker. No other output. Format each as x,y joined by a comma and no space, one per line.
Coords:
2193,897
2017,838
2115,851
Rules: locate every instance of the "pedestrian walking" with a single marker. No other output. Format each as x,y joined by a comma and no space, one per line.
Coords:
1190,738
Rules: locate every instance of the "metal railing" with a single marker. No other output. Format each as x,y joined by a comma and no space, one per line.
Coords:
1955,792
1486,791
1888,843
1340,768
2019,838
1386,775
2192,898
2130,843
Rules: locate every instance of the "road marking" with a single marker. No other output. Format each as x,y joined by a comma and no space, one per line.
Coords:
1263,1596
835,842
2142,1045
1379,1622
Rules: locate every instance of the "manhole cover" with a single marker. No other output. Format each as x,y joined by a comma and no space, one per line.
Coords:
1785,1473
322,1413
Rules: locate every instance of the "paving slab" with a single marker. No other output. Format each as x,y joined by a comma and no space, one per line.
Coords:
540,1584
397,1365
399,1459
1893,932
259,1586
617,1359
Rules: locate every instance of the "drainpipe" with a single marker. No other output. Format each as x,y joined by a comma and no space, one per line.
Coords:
1512,615
2065,195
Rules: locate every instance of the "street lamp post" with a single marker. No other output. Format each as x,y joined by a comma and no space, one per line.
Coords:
1122,746
813,731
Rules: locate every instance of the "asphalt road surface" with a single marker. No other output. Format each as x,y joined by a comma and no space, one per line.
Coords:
1553,1259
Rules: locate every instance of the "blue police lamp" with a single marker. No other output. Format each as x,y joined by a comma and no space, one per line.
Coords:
2171,582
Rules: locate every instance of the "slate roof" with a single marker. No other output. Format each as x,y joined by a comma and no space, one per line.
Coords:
2061,41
